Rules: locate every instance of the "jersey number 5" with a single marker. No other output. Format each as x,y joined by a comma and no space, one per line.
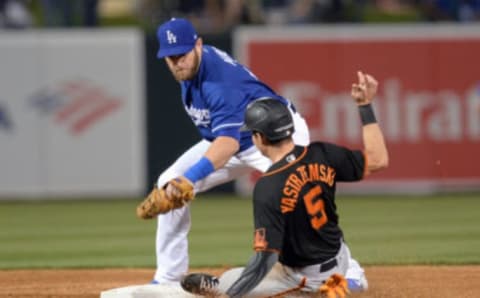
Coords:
315,207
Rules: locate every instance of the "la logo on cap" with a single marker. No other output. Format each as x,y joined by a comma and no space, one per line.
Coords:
171,38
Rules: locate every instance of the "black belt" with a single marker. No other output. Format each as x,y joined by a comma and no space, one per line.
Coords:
328,265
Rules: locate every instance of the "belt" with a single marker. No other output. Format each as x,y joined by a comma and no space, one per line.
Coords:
328,265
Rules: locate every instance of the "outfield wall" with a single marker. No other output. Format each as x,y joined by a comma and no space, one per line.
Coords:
72,113
428,102
73,105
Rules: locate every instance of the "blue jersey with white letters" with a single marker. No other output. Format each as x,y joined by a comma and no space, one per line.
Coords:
216,98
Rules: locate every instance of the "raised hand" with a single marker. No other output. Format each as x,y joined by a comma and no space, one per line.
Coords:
366,88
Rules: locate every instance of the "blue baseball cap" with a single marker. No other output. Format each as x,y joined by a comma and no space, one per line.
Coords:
176,37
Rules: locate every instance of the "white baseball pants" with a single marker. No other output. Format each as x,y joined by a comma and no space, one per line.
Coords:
294,281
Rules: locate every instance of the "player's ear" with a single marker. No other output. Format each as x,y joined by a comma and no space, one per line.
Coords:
199,42
264,139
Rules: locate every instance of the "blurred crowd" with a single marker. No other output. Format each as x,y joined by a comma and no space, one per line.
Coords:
54,13
216,16
221,15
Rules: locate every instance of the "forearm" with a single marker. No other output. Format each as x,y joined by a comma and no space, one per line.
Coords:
375,148
217,155
257,268
221,150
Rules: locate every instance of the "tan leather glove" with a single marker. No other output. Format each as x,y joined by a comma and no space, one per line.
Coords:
180,192
180,188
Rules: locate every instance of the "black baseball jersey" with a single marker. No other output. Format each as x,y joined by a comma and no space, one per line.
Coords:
294,203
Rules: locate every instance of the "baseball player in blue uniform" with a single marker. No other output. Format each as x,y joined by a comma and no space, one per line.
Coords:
216,91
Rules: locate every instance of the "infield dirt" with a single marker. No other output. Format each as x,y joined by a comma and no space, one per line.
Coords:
385,281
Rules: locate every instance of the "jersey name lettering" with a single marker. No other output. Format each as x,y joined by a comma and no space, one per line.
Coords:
225,56
303,174
201,117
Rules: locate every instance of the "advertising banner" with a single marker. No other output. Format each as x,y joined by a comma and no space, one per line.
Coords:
71,113
428,102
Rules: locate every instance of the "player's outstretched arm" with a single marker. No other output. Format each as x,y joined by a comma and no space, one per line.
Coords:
375,149
221,150
217,155
257,268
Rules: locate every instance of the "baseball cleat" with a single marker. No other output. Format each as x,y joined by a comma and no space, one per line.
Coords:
357,285
200,284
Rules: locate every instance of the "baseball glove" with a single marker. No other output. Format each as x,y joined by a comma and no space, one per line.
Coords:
180,188
180,193
335,286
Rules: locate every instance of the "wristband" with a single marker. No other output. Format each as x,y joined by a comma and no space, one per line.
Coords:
366,114
200,170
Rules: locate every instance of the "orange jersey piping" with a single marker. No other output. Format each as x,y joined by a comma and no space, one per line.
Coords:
268,250
289,164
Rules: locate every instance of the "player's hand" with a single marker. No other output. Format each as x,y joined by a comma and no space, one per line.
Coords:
179,188
366,88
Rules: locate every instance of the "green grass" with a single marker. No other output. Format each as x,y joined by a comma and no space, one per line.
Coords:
73,234
379,230
413,230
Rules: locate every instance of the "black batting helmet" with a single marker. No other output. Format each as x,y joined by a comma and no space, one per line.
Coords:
270,117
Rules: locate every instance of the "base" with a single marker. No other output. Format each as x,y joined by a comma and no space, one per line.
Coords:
146,291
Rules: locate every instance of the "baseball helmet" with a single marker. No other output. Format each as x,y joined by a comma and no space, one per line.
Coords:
269,117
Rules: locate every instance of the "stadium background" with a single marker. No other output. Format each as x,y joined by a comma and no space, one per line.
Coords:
73,227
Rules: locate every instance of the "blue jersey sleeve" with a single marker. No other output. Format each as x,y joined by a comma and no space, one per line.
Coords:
227,106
